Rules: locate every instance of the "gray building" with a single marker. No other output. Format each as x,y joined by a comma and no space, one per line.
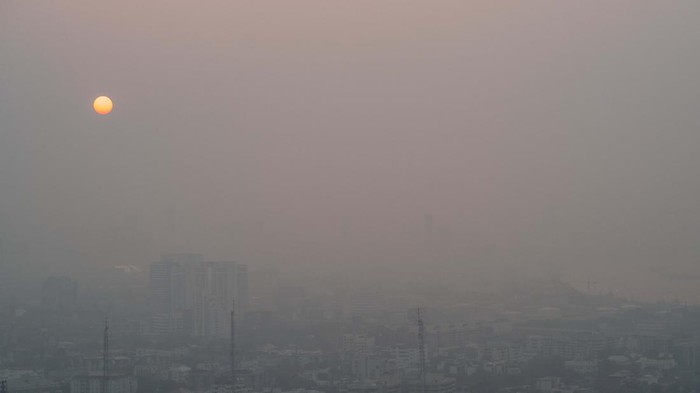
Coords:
190,295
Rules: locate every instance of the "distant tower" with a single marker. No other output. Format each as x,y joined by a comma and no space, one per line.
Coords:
421,349
589,284
105,359
233,347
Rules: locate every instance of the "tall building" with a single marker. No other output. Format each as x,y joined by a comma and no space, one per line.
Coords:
194,296
243,294
168,282
358,343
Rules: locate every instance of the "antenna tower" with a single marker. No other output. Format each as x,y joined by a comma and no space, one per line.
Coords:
421,349
105,359
233,348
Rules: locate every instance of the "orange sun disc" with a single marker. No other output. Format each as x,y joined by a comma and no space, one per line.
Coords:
102,105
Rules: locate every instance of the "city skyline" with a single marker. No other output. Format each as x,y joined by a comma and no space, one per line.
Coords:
362,196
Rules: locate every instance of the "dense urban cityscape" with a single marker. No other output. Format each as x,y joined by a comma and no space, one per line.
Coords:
522,336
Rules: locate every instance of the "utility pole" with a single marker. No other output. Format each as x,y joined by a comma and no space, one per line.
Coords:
421,349
233,347
105,359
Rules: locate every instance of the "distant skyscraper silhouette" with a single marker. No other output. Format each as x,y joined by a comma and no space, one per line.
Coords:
195,296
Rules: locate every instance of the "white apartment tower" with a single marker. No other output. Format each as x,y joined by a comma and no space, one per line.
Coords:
196,296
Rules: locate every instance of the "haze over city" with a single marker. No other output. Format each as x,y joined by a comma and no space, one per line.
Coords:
349,196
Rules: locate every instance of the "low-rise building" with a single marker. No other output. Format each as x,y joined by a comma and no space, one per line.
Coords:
96,384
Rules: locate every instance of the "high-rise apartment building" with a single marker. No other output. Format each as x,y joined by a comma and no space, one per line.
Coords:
197,296
169,284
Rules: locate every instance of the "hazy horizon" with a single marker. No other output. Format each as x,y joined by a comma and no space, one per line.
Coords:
414,140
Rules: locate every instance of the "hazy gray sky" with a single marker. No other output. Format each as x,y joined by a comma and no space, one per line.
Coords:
537,134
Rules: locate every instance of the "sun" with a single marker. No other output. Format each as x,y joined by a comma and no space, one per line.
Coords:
102,105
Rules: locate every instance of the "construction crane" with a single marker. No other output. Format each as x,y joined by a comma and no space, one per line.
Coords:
421,348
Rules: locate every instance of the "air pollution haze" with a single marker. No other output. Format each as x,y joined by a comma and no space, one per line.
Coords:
440,143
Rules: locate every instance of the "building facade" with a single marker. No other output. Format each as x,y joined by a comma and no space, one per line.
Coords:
193,296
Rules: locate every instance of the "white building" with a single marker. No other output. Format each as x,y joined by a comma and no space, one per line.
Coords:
366,367
434,383
94,384
582,366
667,363
191,295
358,343
503,351
406,357
179,374
27,381
547,384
